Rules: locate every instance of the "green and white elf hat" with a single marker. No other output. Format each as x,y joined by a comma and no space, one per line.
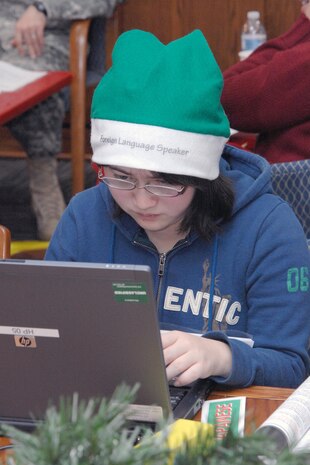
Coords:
158,107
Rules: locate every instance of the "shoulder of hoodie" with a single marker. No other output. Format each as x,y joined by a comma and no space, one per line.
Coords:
90,199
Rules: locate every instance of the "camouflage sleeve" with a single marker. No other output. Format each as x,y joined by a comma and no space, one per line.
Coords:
79,9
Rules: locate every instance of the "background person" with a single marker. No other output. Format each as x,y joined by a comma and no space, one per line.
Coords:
228,257
268,93
35,36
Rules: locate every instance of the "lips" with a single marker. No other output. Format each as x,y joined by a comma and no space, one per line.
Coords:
145,216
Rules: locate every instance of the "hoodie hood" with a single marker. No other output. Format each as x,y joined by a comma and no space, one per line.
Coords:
250,174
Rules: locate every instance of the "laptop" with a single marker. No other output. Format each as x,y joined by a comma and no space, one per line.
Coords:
69,327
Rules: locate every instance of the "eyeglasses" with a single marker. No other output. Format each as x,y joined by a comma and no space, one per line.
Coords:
161,191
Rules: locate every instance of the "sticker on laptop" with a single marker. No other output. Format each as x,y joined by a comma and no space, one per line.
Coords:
25,337
28,332
25,342
129,292
144,413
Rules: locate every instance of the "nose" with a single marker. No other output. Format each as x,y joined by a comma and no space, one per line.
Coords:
144,199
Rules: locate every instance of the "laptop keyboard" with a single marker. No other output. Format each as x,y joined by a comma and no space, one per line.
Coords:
176,395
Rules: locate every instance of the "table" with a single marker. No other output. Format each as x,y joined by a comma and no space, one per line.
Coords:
13,104
261,402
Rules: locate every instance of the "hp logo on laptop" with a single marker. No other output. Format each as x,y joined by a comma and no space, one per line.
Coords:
24,341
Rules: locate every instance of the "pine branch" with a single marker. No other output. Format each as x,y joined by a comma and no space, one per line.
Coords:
96,433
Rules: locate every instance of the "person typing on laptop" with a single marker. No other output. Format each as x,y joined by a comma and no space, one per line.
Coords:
228,257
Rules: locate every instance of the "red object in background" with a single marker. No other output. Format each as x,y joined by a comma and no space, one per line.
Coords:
13,104
243,140
95,168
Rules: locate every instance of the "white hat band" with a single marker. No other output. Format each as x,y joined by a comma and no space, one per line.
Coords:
155,148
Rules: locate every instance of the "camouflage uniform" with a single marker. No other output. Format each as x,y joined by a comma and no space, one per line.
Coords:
39,129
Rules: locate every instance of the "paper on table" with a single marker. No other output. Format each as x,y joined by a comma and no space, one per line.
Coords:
13,77
291,420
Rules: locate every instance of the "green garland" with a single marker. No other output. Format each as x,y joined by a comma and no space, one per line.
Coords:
95,433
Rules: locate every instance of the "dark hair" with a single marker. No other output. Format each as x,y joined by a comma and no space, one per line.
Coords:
210,207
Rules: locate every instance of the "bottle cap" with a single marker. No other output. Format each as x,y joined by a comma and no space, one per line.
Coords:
253,15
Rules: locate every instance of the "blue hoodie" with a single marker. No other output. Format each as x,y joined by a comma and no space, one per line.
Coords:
251,279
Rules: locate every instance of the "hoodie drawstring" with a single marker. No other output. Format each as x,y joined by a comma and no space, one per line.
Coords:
112,244
212,282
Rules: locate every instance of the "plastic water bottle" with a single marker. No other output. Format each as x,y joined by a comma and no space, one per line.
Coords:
253,32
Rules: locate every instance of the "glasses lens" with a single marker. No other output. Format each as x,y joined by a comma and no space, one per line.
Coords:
115,183
164,191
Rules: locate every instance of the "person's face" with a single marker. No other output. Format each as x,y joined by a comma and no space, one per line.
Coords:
152,212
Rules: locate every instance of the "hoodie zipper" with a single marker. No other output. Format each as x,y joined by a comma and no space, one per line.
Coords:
161,268
161,265
162,262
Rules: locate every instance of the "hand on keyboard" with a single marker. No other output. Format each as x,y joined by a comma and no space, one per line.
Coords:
188,357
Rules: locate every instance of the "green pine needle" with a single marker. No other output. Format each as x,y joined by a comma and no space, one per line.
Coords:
95,433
